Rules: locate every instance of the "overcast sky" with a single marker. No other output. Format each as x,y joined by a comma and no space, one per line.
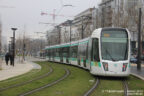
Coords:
20,13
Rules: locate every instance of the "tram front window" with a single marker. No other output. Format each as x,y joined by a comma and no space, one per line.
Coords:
114,43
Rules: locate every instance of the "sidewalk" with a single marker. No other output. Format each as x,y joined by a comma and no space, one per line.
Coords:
18,69
137,73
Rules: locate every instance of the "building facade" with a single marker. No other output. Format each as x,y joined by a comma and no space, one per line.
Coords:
0,36
0,44
110,13
120,13
83,23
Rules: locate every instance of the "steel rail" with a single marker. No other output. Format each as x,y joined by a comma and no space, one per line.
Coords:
125,85
93,88
67,73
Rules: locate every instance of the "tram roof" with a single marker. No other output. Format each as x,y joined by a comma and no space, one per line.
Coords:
73,43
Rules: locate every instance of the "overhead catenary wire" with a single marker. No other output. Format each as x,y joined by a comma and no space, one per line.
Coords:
61,1
90,2
59,11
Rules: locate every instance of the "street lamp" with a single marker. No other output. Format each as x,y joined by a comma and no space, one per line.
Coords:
59,32
70,23
41,49
14,29
41,42
10,46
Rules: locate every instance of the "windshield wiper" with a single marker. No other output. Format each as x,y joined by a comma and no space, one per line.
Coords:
110,55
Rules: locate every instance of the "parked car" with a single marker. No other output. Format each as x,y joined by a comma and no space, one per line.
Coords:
133,59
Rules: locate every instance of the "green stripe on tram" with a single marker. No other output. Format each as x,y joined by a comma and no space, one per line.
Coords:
75,44
99,64
73,59
92,63
82,60
83,42
95,64
56,57
87,61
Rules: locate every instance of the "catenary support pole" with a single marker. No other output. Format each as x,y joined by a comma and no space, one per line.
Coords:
139,42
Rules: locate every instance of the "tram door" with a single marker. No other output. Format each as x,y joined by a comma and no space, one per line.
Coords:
82,55
68,55
65,54
60,54
50,54
95,55
89,54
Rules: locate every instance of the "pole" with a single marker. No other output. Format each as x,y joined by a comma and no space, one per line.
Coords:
41,46
13,47
70,23
139,42
24,43
14,43
59,32
59,35
70,32
14,29
103,18
9,47
82,29
118,14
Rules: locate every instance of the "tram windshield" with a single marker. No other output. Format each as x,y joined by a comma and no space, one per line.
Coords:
114,43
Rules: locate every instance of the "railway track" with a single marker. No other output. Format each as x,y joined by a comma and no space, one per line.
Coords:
26,82
67,73
93,88
125,85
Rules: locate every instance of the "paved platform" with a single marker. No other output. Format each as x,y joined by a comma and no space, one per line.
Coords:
19,69
137,73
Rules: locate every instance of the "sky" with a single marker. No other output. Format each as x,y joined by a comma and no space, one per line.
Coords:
26,14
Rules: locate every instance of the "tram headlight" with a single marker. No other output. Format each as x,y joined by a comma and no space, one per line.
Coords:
105,66
124,67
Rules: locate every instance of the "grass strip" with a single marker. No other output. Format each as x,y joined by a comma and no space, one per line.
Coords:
136,86
109,87
57,73
25,77
76,84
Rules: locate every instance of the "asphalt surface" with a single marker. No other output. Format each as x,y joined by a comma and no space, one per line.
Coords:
138,72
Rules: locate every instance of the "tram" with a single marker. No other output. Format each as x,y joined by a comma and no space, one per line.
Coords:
106,52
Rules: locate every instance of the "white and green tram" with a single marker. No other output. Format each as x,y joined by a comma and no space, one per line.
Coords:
106,52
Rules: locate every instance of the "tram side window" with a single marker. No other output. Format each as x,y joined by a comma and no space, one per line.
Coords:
60,52
74,50
57,52
65,52
95,50
47,52
53,52
82,51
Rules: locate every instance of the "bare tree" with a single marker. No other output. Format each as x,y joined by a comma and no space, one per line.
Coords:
0,44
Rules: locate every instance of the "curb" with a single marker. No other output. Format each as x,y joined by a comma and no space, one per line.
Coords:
35,65
138,76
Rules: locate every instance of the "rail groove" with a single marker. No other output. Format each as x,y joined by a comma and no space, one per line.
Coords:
93,88
125,85
48,85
